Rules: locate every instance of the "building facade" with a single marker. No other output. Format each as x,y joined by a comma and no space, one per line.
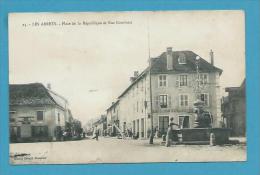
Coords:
234,110
112,115
101,125
36,113
167,89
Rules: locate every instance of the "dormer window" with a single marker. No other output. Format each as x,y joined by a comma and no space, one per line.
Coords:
182,58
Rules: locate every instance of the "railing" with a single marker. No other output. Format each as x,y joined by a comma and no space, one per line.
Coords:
120,131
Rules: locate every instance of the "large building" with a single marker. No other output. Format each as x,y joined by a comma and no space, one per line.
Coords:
234,109
36,113
170,84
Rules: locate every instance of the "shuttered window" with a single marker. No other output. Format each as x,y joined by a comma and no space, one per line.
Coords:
162,81
205,98
163,101
203,79
183,100
183,80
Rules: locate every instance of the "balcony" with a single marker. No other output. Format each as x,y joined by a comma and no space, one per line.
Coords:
175,109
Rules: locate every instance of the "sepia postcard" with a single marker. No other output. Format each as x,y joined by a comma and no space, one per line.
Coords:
127,87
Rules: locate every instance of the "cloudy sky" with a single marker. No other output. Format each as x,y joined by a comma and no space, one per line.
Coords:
91,61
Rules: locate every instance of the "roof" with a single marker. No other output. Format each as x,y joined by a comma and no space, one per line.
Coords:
102,119
159,65
33,94
240,89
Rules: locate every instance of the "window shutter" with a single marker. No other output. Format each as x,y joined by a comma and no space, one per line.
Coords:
189,81
177,81
159,81
208,99
169,101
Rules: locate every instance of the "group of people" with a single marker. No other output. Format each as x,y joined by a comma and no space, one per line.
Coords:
171,135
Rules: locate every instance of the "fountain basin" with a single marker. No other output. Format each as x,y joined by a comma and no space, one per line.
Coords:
202,135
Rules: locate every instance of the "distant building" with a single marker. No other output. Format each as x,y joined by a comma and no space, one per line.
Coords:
234,110
178,78
101,124
113,118
36,112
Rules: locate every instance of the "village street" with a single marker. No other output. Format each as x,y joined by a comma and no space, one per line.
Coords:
112,150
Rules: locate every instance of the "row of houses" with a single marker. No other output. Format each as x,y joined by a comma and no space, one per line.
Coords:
167,89
38,113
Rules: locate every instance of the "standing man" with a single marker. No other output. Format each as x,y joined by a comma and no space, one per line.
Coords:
172,134
169,136
96,133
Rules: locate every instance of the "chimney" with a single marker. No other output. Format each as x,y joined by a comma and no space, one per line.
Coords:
211,53
151,61
132,79
169,58
136,73
49,86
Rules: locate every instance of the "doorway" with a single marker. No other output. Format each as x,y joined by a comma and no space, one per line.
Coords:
163,124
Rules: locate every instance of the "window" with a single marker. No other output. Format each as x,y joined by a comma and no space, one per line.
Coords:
162,80
12,119
12,116
183,100
183,80
182,59
26,119
137,106
15,131
205,98
163,124
58,117
203,79
163,101
39,115
12,112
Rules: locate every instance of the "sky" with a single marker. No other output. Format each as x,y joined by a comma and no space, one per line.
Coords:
89,57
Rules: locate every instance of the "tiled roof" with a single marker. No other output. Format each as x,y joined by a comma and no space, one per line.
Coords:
34,94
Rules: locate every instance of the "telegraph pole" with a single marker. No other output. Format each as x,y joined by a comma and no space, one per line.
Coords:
150,88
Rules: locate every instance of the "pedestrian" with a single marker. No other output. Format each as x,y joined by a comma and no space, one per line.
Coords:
172,134
156,132
174,127
96,133
169,136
